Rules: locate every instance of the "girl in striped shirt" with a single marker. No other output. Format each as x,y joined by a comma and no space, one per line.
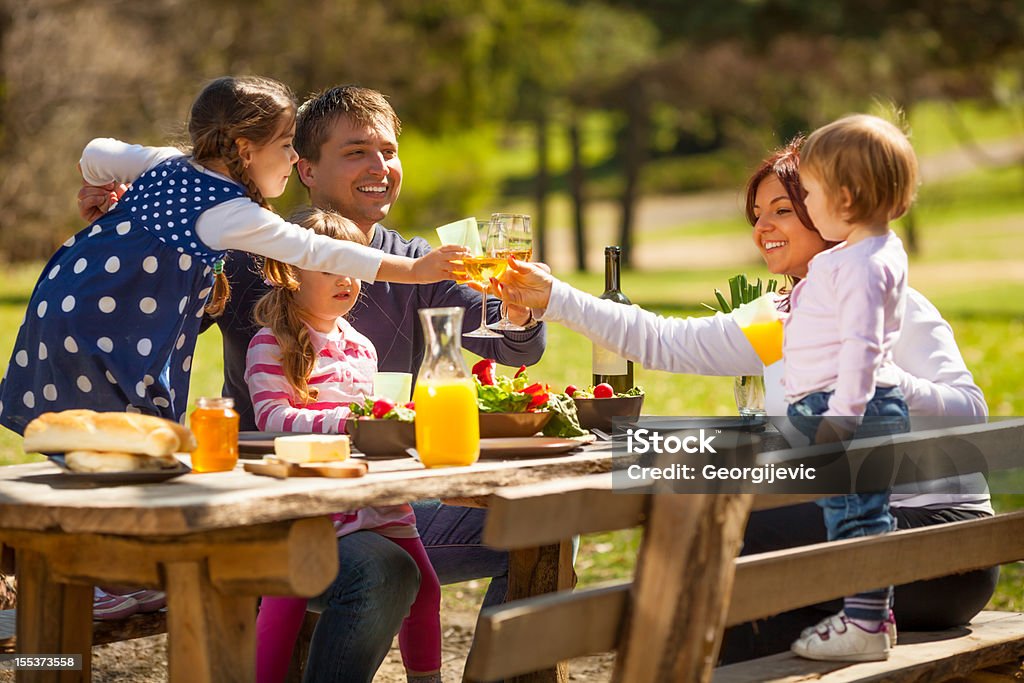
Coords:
304,368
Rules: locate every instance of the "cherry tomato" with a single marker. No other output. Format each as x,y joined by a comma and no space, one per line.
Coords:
571,390
603,390
382,407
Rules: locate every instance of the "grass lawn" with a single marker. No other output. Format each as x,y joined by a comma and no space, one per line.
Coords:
970,265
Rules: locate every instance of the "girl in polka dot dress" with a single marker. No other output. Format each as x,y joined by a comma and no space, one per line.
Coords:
113,320
304,368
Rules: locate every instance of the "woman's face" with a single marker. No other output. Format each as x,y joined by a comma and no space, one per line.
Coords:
786,244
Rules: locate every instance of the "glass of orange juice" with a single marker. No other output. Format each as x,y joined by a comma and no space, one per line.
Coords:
215,425
447,418
766,338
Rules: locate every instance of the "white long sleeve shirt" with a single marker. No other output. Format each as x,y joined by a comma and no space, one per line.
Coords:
239,224
929,367
844,319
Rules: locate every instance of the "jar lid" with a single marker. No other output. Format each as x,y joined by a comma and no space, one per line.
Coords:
215,402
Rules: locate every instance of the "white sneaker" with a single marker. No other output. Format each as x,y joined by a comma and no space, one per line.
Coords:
890,627
837,639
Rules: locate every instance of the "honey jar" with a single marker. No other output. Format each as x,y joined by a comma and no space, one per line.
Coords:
215,425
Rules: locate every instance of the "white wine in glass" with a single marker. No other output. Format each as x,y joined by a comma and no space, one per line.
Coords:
519,245
480,269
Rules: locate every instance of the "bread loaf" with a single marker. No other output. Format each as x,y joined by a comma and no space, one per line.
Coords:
72,430
94,461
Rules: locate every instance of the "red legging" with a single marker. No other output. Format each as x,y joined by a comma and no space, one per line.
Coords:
280,619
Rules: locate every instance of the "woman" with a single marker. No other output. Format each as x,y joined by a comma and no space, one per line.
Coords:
934,379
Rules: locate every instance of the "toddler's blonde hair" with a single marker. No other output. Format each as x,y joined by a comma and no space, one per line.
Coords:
871,158
277,308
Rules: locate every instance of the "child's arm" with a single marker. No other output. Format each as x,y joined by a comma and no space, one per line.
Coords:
433,266
271,392
243,225
106,160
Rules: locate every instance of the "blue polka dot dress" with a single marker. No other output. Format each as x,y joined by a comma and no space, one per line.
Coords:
113,320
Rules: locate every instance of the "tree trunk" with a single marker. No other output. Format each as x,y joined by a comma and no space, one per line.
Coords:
911,223
540,213
634,155
577,178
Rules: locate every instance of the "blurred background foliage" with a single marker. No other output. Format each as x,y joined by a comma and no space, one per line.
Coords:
511,100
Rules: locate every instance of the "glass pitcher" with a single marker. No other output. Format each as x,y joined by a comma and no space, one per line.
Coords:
447,419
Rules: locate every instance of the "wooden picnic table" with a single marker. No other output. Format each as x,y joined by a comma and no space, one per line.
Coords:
215,542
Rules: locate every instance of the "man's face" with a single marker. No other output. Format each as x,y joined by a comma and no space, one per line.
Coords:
358,175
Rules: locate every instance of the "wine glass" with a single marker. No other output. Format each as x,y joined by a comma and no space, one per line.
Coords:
481,269
516,227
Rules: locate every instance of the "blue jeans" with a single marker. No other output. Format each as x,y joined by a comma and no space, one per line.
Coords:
452,536
377,581
858,514
362,610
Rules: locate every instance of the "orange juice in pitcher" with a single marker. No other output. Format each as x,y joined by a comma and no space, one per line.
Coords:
447,423
447,418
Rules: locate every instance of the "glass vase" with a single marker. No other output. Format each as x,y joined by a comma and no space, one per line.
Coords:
749,393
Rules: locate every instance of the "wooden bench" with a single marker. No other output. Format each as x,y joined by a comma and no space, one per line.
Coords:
103,632
666,625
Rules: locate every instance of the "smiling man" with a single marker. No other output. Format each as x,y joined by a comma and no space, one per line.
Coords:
347,140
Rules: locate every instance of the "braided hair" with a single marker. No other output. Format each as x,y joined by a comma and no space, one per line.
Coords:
277,308
229,108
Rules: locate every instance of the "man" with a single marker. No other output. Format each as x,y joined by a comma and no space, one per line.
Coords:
347,140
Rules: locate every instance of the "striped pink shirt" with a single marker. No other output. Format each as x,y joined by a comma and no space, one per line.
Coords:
343,372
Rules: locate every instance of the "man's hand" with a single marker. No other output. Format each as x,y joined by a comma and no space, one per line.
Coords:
518,315
96,200
524,284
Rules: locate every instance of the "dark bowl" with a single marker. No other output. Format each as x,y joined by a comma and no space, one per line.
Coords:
597,413
501,425
381,437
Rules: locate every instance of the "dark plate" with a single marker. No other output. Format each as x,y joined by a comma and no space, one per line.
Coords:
751,424
597,413
500,425
258,443
526,447
119,478
380,438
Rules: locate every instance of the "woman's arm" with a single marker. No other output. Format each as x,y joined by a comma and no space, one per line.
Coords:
712,345
106,160
932,373
271,395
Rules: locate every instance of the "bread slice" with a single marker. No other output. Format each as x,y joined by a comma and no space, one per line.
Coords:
312,448
88,430
95,461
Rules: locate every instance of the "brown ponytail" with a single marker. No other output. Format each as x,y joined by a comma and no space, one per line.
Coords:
227,109
277,308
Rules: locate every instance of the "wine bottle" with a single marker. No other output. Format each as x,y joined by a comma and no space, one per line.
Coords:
609,367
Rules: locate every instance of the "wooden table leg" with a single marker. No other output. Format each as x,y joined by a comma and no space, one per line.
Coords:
534,571
53,618
211,636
